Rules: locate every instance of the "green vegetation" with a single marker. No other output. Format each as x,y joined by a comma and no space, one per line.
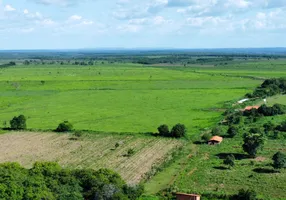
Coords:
178,131
64,127
50,181
18,123
279,160
118,101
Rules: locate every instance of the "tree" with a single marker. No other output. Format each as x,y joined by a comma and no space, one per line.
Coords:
245,195
232,131
268,127
279,160
164,130
206,137
179,130
216,130
18,123
64,127
252,142
229,160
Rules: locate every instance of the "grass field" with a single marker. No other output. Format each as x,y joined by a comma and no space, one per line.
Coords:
134,98
116,98
91,151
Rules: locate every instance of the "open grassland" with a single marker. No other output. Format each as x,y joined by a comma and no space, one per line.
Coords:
201,171
91,151
129,98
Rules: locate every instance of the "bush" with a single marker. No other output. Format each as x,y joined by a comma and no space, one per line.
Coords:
164,130
279,160
179,130
217,131
244,195
232,131
206,137
252,142
64,127
18,123
229,160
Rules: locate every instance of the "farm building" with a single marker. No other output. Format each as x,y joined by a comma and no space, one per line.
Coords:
215,140
242,101
182,196
250,108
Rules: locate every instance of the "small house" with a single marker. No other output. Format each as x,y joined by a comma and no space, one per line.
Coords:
183,196
250,108
215,140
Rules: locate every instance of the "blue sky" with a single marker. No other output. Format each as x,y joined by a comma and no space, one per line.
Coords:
68,24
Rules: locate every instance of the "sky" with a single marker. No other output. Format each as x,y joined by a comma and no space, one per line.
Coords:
73,24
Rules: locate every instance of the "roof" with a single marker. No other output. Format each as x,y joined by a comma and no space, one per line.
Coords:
242,100
216,138
251,107
190,195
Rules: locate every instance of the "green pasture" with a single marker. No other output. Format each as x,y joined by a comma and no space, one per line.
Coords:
117,98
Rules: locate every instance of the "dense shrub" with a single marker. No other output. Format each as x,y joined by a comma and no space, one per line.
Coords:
279,160
50,181
270,87
206,137
232,131
64,127
252,143
217,131
18,123
245,195
164,130
229,160
179,130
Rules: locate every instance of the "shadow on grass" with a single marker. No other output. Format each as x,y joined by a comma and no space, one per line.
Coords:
265,171
199,142
221,168
238,156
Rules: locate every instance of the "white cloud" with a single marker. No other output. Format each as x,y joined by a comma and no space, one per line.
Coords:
26,11
9,8
27,30
75,17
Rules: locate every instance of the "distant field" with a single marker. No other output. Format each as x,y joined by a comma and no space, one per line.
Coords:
93,151
117,98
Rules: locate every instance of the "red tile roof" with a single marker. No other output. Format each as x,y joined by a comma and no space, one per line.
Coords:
216,138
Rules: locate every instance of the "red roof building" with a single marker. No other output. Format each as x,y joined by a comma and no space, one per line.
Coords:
183,196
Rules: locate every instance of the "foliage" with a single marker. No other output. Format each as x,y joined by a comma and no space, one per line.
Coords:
229,160
252,142
268,127
206,137
217,131
50,181
18,123
179,130
279,160
270,87
245,195
232,131
64,127
164,130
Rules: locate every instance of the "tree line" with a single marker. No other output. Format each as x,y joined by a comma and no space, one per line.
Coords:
48,181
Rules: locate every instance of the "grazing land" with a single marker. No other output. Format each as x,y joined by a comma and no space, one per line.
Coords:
116,98
91,151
